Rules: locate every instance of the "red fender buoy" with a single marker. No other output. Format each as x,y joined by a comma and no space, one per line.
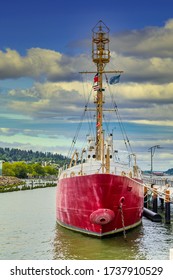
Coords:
102,216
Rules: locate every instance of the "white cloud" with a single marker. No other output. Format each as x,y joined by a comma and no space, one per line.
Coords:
144,55
37,63
148,42
136,102
47,100
144,95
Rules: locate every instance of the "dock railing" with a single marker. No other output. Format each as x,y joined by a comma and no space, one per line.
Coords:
162,181
160,187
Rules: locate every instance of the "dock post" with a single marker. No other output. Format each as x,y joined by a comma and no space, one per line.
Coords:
161,203
167,207
145,197
155,199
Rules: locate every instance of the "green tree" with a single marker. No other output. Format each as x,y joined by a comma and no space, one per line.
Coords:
20,169
51,170
38,169
7,169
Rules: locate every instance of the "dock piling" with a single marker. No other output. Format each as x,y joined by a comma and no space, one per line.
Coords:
167,207
145,197
161,203
155,195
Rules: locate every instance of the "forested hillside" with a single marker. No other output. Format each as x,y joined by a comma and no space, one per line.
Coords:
10,155
169,171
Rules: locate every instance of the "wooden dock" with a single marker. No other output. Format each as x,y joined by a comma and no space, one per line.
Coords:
158,195
160,185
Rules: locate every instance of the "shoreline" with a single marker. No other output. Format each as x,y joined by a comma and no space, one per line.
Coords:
11,184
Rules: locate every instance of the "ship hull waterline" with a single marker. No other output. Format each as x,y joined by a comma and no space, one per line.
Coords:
99,204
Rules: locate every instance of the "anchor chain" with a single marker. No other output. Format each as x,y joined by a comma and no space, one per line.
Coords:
122,219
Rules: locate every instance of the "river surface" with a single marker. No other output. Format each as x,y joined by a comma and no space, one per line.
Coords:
28,231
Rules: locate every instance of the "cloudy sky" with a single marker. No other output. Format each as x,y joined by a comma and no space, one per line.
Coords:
45,44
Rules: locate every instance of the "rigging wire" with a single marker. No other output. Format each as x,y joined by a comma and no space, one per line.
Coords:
121,125
79,127
89,114
107,122
90,122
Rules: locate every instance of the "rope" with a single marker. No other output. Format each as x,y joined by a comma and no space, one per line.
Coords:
160,193
149,197
151,190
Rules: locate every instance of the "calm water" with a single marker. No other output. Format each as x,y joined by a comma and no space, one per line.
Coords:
28,230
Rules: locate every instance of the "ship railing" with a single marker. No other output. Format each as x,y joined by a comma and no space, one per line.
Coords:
87,169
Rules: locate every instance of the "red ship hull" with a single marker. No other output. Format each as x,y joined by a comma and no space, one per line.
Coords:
99,204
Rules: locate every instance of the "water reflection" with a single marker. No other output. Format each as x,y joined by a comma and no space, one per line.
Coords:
148,241
157,239
28,230
72,245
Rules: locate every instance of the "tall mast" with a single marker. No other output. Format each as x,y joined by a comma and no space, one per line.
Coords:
100,56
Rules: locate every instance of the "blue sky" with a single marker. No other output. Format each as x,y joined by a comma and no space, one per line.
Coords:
43,46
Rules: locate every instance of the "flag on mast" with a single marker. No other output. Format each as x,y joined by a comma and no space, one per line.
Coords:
114,79
96,78
96,85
